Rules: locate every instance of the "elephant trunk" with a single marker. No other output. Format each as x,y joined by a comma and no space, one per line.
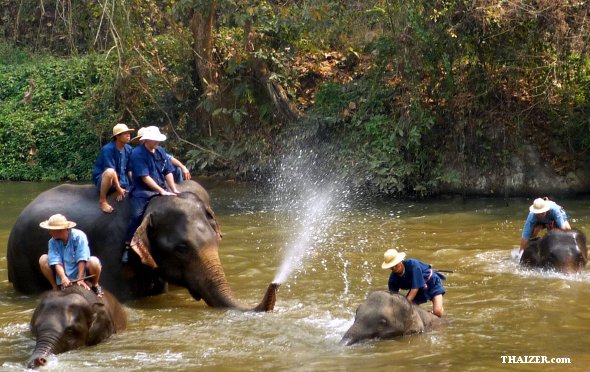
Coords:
44,347
352,336
213,288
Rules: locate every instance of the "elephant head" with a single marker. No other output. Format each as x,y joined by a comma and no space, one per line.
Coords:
563,251
72,318
179,237
387,315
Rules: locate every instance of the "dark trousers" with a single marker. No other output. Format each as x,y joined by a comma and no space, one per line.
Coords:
138,205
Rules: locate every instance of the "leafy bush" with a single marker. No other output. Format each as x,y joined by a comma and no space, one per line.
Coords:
48,136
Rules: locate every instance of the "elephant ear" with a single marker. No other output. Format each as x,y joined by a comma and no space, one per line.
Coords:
213,221
101,326
140,243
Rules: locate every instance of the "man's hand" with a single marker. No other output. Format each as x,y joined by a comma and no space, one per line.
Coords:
121,193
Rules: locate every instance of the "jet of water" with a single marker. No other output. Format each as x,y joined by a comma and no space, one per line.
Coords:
314,221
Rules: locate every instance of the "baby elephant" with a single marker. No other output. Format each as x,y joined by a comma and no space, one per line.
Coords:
388,315
562,251
71,318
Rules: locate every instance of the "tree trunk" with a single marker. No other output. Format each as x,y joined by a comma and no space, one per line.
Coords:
202,30
277,94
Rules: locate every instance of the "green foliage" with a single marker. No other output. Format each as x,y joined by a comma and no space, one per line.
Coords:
49,138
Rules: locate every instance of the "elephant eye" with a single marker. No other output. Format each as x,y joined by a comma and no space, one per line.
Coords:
182,248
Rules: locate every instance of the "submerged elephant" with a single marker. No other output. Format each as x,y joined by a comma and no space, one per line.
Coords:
72,318
387,315
563,251
178,241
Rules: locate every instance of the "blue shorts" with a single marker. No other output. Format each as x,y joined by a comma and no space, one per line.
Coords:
433,288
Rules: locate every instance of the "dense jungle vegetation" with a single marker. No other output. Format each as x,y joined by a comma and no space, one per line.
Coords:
397,97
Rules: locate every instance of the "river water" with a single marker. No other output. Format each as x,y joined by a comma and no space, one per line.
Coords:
327,266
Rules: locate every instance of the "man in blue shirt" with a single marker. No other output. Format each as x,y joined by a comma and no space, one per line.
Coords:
153,175
418,277
543,213
111,170
181,172
68,260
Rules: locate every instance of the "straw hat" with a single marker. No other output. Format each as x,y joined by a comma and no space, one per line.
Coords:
153,134
140,132
57,222
391,258
121,128
540,205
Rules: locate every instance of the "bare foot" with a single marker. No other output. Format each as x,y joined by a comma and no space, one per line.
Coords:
106,207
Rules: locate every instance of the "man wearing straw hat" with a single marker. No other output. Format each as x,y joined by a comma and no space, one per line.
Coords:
543,213
418,277
111,173
152,175
68,260
181,172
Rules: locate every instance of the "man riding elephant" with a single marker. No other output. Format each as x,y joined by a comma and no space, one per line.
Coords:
178,240
543,213
68,260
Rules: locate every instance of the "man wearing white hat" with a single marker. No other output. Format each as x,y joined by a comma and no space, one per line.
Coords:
153,174
543,213
111,169
68,260
181,172
417,277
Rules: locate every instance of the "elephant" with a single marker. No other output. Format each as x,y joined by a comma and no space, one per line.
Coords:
177,242
386,315
559,250
71,318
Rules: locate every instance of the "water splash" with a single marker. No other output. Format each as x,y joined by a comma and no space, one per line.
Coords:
308,198
313,222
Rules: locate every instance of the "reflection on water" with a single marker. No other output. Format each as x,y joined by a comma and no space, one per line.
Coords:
493,306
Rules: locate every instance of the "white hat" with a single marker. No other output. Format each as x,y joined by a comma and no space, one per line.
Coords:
153,134
540,205
391,258
121,128
57,222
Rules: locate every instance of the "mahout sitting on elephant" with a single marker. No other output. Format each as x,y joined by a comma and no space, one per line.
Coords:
177,241
71,318
386,315
562,251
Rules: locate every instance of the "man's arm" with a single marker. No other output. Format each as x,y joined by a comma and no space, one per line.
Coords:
185,172
59,271
81,274
149,181
412,294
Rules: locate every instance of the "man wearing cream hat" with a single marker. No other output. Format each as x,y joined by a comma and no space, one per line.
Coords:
111,173
416,276
68,260
543,213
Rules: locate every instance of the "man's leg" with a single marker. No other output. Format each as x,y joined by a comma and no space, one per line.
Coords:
46,270
94,268
105,185
437,305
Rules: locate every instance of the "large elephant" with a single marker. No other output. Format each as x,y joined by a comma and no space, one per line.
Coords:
386,315
563,251
72,318
178,241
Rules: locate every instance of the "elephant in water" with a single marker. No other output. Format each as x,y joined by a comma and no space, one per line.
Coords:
387,315
563,251
178,243
72,318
